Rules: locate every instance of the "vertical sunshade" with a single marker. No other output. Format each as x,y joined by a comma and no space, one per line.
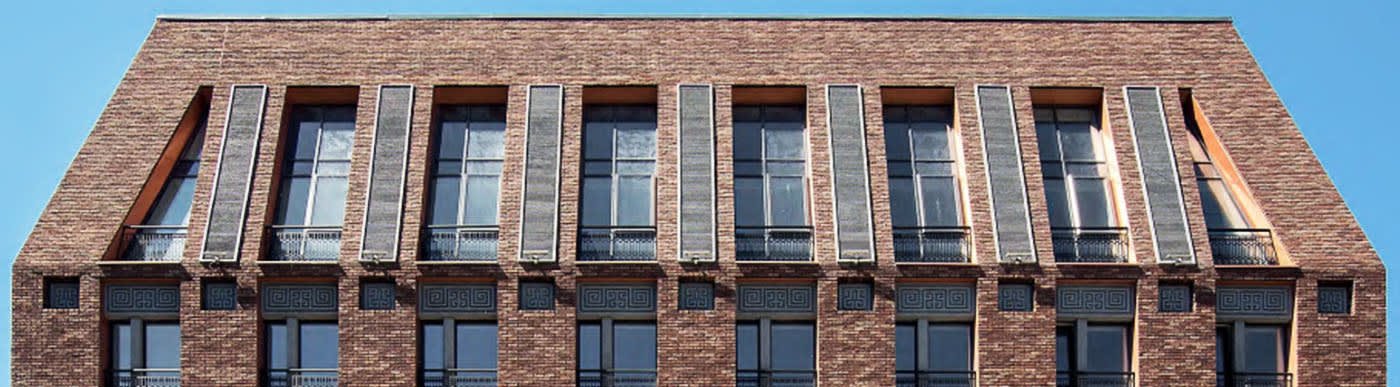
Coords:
386,183
1003,149
229,206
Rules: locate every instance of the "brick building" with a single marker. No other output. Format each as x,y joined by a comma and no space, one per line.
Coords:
471,201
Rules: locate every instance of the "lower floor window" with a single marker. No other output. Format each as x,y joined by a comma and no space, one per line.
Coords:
145,353
776,353
1092,354
459,353
1251,355
616,353
933,354
302,353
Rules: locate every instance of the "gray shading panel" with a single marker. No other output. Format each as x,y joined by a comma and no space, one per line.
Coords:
1334,299
849,177
939,299
383,210
377,295
1160,180
697,173
1246,302
300,298
219,296
1015,298
154,299
1006,174
457,298
536,295
1174,298
777,299
617,298
229,205
697,296
539,223
1077,301
855,296
61,295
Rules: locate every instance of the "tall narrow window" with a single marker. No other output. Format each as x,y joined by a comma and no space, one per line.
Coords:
776,353
302,353
617,353
929,354
1072,159
311,197
465,185
1251,355
923,184
161,235
1090,354
619,164
770,180
459,353
144,353
1233,239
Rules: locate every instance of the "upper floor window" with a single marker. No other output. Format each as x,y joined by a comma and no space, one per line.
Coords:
1251,355
459,353
144,353
933,354
302,353
161,235
924,186
619,164
770,182
1103,360
776,353
311,196
1074,164
617,353
1234,239
466,182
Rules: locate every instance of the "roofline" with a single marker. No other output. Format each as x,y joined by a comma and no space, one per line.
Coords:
1011,18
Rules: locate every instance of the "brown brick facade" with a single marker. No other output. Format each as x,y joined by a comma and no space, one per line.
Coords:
55,347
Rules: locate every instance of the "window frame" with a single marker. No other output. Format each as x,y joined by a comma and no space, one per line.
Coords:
1078,355
613,160
293,347
763,165
765,344
923,351
607,350
449,347
289,159
464,160
1236,363
139,353
913,160
1101,161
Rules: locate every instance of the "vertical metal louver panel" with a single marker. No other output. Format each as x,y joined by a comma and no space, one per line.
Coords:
697,172
228,208
539,222
849,176
1160,181
1011,213
384,205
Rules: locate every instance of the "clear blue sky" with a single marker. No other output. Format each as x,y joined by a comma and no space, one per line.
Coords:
1332,62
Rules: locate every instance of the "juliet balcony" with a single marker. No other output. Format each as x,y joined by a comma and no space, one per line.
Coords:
153,243
304,243
931,244
456,243
1254,380
1095,379
1090,244
776,379
1242,247
935,379
773,244
459,378
616,244
145,378
303,378
617,378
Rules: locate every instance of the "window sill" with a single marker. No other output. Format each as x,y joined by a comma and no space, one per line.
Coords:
648,262
454,263
965,264
137,263
815,263
1110,264
1279,266
285,263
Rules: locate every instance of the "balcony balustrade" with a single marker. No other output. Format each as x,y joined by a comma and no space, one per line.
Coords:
459,378
619,378
616,244
304,378
1254,380
145,378
304,243
776,379
154,243
773,243
1242,247
930,244
935,379
1090,244
462,243
1094,379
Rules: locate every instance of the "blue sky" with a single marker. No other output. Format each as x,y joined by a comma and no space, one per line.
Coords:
1331,62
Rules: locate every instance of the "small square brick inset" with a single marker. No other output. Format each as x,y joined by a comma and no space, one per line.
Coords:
1334,298
697,295
1014,298
1174,298
536,295
377,295
219,295
854,296
61,293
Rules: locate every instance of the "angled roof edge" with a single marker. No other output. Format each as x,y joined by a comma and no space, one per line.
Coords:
352,17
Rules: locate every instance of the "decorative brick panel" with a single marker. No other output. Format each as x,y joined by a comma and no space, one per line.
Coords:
146,299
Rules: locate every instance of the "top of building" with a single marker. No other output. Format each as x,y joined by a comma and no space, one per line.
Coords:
1015,18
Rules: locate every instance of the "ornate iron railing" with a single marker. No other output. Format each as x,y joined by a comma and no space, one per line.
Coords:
930,244
1242,246
617,378
776,379
304,377
462,243
154,243
773,243
1090,244
304,243
1254,379
1094,379
616,244
459,378
148,377
935,379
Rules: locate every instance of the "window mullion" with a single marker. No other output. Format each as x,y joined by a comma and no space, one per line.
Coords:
293,344
315,175
138,343
605,345
449,343
1237,333
462,175
921,345
765,346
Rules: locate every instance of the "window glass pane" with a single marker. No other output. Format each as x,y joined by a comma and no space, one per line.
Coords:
636,142
926,114
746,113
476,345
487,140
1108,349
903,210
747,141
1219,206
333,168
319,345
785,116
1064,339
1222,338
330,201
1058,202
1093,203
1044,115
303,140
783,143
940,201
121,345
277,345
905,348
950,347
482,196
896,140
432,345
931,142
1263,349
1046,140
163,345
444,204
451,135
786,168
292,196
786,196
340,116
597,201
173,207
634,201
597,140
195,146
748,201
593,168
1077,141
747,346
634,345
335,144
636,168
794,346
589,346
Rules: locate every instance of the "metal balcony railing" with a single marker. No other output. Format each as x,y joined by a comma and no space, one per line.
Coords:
304,243
1094,379
153,243
776,379
617,244
462,243
1244,246
930,244
1090,244
935,379
459,378
1254,380
773,243
303,377
617,378
147,377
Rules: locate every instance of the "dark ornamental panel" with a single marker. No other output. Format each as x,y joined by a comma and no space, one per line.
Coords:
377,295
1174,298
855,296
239,148
777,299
1160,181
850,179
1071,301
61,295
697,173
457,298
386,182
1245,302
539,222
1015,298
154,299
697,295
1334,299
536,295
616,298
941,299
300,298
1004,169
220,296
